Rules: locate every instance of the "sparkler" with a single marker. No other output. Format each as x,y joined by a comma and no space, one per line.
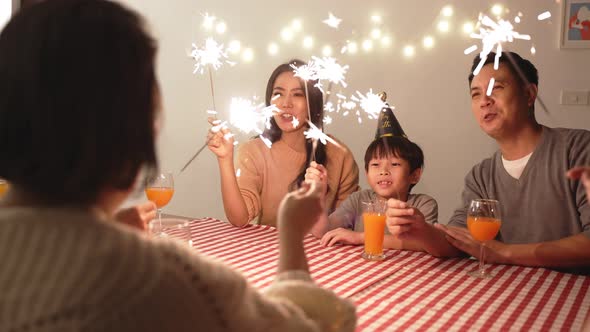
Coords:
494,34
332,21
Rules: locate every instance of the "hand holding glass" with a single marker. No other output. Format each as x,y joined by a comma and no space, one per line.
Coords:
160,190
483,222
374,223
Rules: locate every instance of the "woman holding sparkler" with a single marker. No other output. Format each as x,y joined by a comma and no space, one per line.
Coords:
266,174
79,117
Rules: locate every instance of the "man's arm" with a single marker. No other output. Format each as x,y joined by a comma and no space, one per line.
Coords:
572,251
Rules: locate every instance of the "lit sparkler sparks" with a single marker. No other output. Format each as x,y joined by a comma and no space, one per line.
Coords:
248,117
316,133
370,103
212,54
332,21
493,34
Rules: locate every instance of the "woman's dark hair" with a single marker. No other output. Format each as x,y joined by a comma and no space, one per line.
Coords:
316,109
78,99
399,147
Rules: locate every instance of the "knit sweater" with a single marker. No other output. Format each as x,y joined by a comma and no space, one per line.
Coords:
66,270
266,174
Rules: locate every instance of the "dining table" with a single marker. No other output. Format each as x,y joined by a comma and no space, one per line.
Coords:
408,290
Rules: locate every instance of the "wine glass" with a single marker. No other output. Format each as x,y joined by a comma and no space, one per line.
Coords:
483,222
3,187
160,190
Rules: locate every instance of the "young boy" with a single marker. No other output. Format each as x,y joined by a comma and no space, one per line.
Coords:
393,165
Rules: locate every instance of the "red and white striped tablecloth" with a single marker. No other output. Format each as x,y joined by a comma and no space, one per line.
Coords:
253,250
411,291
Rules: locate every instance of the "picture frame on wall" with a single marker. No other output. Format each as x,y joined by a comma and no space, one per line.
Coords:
575,25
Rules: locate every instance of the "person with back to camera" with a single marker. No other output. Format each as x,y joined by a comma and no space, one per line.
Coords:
79,115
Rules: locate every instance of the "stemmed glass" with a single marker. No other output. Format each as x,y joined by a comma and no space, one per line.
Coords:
160,190
483,222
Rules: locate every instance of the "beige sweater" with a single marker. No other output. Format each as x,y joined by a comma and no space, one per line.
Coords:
265,176
65,270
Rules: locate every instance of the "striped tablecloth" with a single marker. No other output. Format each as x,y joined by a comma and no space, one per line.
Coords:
411,291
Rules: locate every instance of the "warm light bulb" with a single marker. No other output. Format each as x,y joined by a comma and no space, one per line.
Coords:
367,45
327,50
296,25
443,26
273,48
234,46
409,51
308,42
376,33
428,42
468,27
352,47
221,27
287,34
248,55
497,9
376,18
447,11
385,41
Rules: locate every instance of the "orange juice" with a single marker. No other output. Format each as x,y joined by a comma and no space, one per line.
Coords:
374,232
483,228
3,188
159,195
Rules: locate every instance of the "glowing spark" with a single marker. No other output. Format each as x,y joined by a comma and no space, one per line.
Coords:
327,120
306,72
315,133
517,19
208,21
238,172
490,87
533,50
470,49
211,112
493,34
370,103
328,69
544,16
295,122
211,54
332,21
244,115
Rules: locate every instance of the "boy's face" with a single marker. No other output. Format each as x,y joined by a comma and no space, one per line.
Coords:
390,177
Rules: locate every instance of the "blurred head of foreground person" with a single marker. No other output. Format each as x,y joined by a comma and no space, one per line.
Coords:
78,117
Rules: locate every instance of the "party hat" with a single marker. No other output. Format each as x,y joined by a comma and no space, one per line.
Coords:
387,125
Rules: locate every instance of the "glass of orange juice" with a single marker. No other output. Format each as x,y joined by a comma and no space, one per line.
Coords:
3,187
160,190
483,222
374,224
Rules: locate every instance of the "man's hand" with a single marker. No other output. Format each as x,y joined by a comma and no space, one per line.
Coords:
137,216
460,238
342,236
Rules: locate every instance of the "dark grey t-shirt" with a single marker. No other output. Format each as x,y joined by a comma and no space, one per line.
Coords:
542,205
349,213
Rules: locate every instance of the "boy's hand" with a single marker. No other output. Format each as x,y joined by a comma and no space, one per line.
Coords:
317,172
404,221
342,236
220,140
137,216
300,210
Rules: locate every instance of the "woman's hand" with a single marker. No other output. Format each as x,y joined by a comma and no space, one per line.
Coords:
220,140
318,173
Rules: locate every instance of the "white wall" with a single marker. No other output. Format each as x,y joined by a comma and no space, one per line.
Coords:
429,91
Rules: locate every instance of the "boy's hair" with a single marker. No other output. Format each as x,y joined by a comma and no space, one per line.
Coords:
399,147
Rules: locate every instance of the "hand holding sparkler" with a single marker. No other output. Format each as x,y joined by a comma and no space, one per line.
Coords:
318,173
220,140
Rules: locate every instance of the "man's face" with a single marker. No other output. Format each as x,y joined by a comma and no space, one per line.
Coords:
506,109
